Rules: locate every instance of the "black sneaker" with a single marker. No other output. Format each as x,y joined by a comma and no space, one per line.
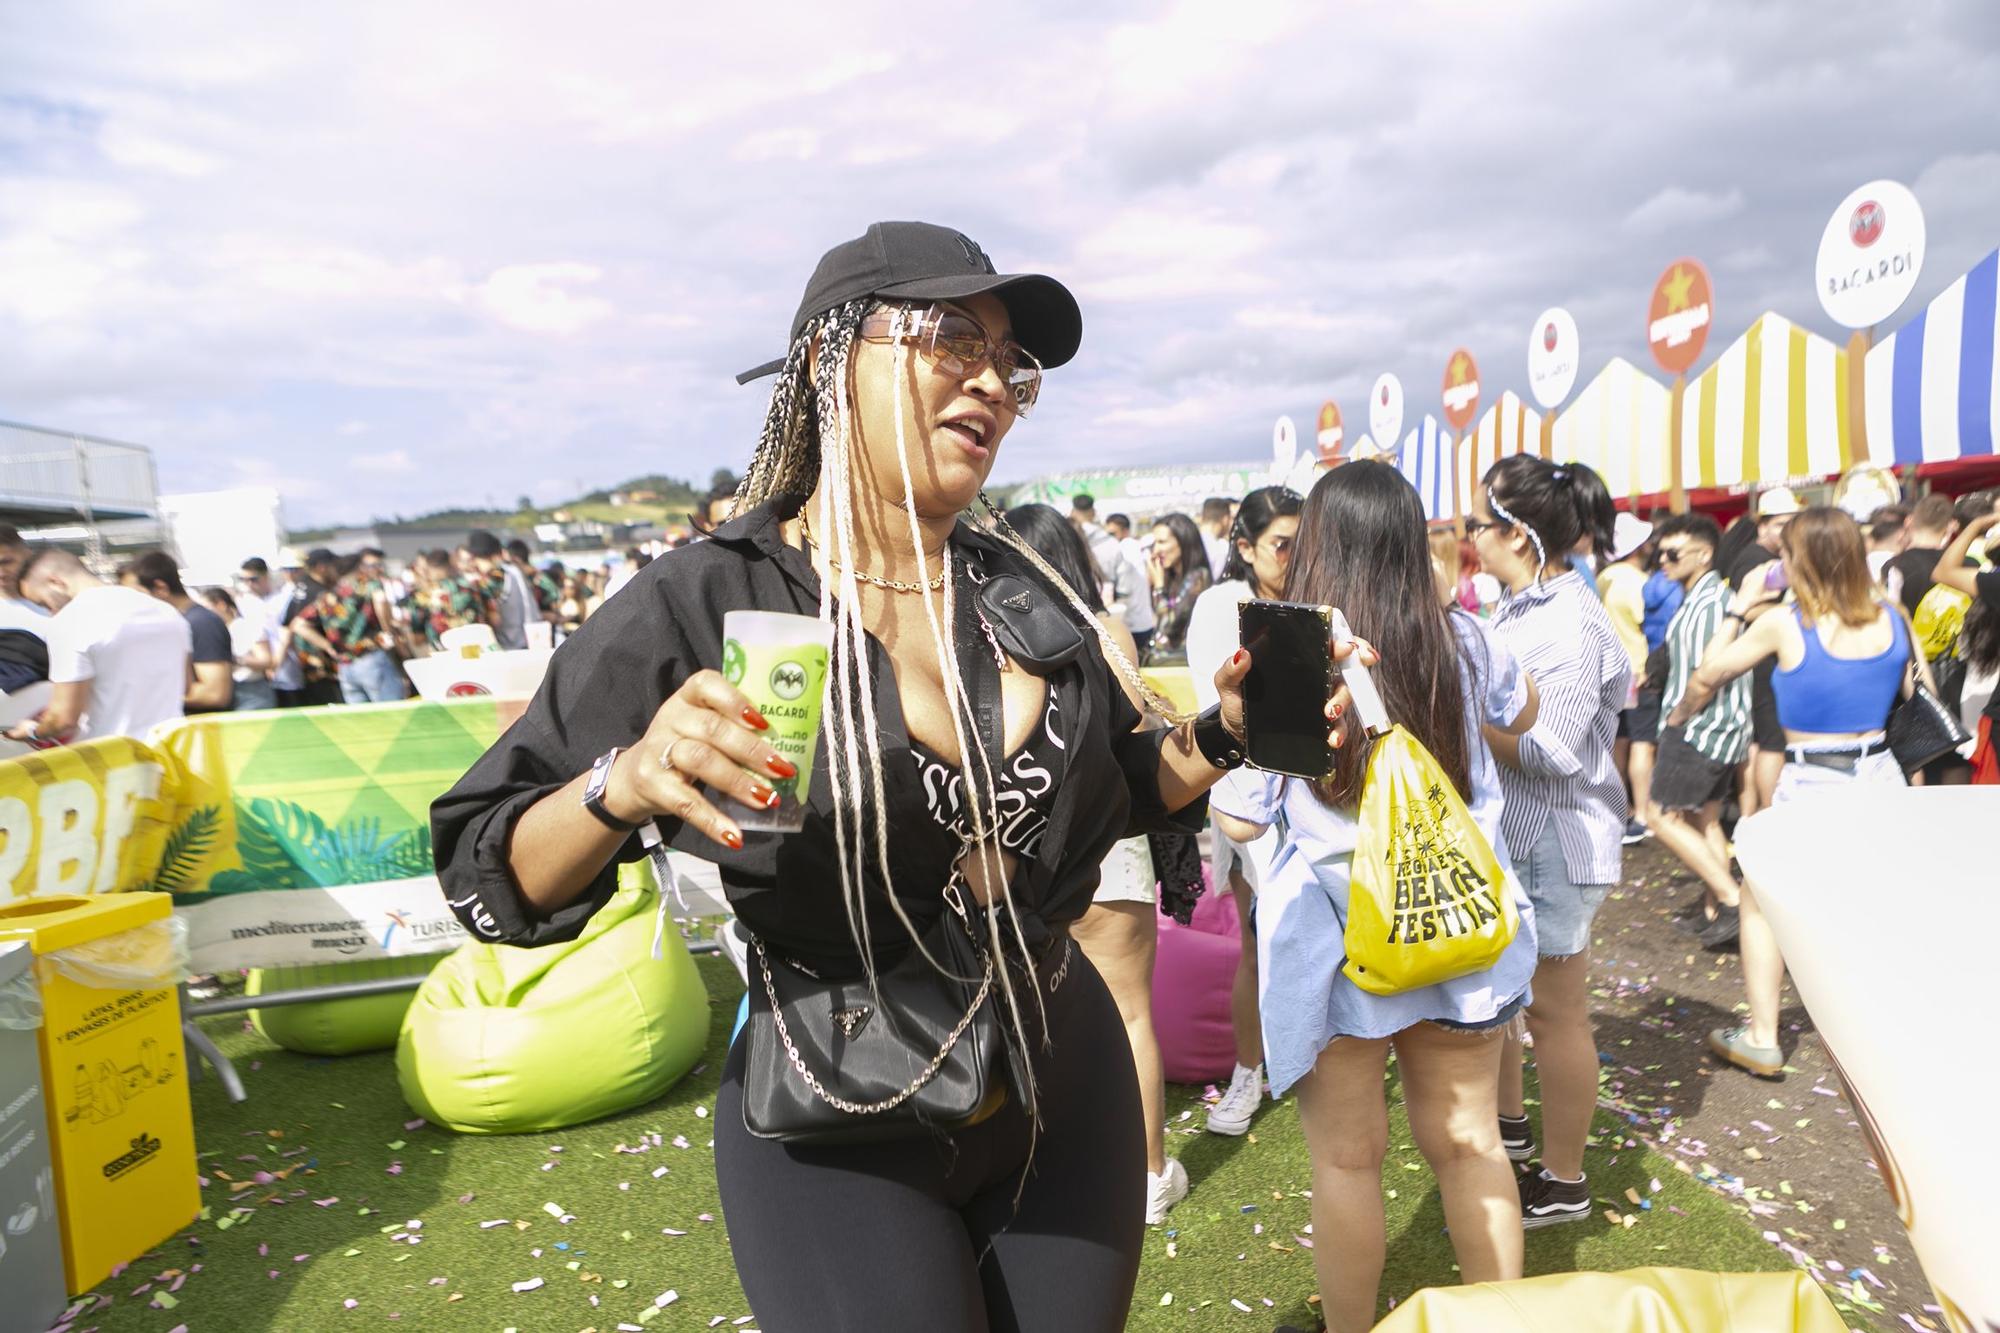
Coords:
1546,1201
1517,1136
1723,930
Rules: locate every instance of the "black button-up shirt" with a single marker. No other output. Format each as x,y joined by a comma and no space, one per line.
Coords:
607,681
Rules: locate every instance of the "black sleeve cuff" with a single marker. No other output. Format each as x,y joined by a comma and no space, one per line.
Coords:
1138,756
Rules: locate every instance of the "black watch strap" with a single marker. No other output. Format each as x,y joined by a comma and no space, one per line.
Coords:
593,791
1214,741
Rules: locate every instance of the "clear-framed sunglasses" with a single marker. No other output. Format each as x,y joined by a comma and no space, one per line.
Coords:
957,344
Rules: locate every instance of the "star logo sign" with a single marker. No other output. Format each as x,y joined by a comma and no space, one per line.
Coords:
1677,288
1459,370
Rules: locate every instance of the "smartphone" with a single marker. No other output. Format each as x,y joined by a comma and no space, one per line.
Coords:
1291,679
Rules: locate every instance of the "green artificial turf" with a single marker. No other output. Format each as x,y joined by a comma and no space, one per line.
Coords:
285,1262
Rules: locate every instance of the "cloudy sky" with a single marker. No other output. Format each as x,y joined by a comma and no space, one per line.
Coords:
392,257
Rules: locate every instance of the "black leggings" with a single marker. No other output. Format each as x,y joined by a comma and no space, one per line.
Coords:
923,1234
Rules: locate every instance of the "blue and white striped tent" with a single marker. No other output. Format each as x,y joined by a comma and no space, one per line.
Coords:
1430,460
1932,391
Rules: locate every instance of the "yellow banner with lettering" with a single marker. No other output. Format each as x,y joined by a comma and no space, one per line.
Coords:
87,818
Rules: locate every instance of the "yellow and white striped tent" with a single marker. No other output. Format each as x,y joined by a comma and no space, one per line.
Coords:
1773,408
1510,426
1619,425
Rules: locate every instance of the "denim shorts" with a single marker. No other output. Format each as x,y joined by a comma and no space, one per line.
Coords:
1563,911
1493,1026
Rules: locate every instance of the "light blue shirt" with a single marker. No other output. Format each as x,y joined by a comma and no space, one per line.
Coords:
1302,903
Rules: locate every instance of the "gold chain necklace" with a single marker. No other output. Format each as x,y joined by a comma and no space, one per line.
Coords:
893,585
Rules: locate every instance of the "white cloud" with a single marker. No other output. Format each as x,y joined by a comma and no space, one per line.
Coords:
395,462
538,298
1677,207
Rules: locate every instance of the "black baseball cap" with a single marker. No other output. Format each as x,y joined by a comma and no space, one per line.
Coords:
921,261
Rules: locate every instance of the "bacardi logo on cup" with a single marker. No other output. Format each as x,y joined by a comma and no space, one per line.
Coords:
1865,227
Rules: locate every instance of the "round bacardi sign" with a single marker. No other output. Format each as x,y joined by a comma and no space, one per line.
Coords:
1870,254
1385,412
1552,357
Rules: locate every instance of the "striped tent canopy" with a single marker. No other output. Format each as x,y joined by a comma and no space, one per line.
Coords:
1510,426
1773,408
1427,460
1618,426
1933,394
1365,447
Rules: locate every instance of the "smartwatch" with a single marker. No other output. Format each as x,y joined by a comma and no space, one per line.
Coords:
593,791
1212,738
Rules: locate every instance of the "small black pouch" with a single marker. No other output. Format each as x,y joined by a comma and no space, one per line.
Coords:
1034,627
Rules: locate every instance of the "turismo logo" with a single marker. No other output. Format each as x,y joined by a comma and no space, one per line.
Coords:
142,1149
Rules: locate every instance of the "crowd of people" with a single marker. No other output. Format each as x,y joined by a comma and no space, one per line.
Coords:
1619,679
127,647
1000,778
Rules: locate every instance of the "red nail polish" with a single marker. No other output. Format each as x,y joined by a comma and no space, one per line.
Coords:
1338,709
732,840
1237,659
763,796
780,768
752,717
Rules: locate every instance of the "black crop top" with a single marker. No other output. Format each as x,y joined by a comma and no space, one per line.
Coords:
1026,785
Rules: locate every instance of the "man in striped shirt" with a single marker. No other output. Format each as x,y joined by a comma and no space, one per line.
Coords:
1697,761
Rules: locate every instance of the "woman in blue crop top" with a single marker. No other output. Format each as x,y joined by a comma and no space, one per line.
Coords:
1843,654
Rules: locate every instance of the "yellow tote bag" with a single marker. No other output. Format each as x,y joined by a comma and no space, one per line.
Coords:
1427,899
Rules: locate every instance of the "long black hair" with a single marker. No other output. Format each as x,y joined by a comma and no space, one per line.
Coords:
1057,541
1558,503
1362,547
1193,553
1252,517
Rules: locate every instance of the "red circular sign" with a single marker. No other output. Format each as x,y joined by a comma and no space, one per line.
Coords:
464,689
1461,389
1865,227
1678,318
1328,436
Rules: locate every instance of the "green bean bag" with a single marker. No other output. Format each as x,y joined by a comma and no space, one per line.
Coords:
503,1040
335,1027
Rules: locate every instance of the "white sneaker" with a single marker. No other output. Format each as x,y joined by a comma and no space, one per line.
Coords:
1165,1190
1231,1115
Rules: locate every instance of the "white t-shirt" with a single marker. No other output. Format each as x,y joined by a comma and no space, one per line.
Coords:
19,613
1218,554
132,648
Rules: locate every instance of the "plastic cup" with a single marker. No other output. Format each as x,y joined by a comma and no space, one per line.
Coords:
779,661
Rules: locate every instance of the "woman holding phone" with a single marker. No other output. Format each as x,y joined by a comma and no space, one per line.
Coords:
1260,558
909,362
1361,547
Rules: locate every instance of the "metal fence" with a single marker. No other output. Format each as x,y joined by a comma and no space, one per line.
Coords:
65,473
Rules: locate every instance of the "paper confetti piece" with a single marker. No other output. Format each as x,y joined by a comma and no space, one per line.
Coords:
529,1285
665,1298
1239,1305
1167,1299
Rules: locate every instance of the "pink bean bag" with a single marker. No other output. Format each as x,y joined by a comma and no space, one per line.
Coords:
1192,974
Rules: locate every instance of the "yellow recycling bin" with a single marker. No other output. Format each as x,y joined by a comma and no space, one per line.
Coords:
120,1123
